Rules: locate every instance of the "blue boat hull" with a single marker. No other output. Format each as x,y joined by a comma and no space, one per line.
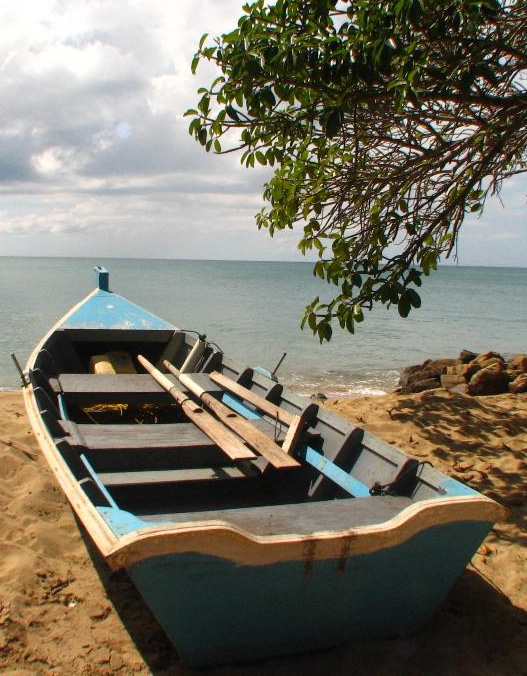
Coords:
216,611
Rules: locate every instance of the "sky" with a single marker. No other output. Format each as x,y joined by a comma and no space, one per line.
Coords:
96,159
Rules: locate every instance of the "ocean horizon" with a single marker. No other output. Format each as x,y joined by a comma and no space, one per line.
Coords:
253,309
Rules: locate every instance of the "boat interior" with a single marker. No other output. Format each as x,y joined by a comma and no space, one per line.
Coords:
131,446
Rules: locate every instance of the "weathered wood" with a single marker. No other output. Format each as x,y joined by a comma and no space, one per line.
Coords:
133,437
84,389
228,443
176,475
262,404
194,356
274,391
301,519
115,336
212,362
171,348
297,426
256,439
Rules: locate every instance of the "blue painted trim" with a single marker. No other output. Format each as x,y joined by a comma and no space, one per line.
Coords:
62,407
452,487
96,479
334,472
102,278
239,407
122,522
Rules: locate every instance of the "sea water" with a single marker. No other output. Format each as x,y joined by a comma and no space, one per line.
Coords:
252,310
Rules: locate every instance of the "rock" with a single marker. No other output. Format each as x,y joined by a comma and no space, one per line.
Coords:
448,381
318,396
438,366
485,356
454,370
491,362
518,363
409,371
490,380
469,370
466,355
462,388
428,369
422,385
519,384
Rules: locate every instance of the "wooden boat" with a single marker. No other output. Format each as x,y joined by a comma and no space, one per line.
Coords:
295,532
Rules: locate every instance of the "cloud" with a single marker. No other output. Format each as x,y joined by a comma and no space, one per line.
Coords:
95,154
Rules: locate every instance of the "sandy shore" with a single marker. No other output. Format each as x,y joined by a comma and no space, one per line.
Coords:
63,612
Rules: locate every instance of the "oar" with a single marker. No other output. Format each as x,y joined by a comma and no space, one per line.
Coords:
263,404
219,434
296,423
256,439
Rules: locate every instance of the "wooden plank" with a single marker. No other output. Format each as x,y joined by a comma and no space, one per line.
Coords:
228,443
262,404
194,356
175,475
171,348
114,335
256,439
131,437
91,384
298,426
84,389
301,519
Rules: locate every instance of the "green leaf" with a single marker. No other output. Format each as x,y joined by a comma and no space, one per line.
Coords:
414,298
404,305
333,122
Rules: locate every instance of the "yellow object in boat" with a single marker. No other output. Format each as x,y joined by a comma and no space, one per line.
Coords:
112,363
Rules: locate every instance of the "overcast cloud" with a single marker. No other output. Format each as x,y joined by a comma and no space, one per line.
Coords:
95,157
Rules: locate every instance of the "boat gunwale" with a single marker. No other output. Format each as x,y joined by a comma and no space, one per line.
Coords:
224,540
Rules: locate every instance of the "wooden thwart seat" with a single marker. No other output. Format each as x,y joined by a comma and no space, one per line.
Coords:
84,388
152,477
154,437
130,437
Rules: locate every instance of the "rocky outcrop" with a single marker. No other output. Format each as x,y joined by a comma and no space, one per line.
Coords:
518,363
471,373
424,376
492,379
519,384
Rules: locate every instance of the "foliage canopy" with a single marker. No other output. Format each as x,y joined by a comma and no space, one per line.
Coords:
386,122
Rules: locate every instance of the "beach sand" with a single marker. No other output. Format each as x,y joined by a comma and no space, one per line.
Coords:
63,612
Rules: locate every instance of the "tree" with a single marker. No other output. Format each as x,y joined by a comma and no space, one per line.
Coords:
386,122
